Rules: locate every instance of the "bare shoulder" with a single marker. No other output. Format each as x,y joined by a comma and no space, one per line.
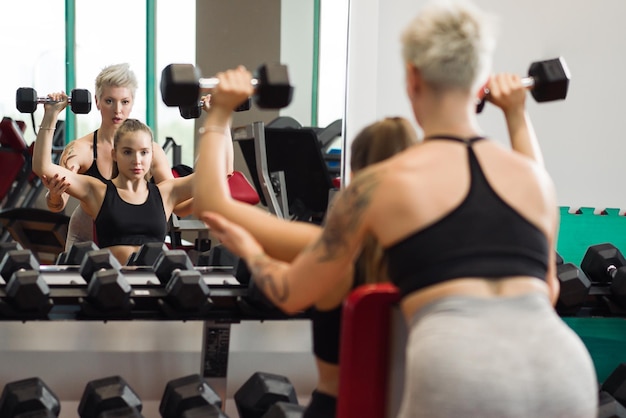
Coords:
78,152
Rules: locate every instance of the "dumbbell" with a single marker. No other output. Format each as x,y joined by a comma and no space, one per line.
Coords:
574,288
181,85
547,81
29,398
107,288
109,394
262,390
26,100
26,290
190,396
194,111
605,263
74,256
615,384
184,285
147,254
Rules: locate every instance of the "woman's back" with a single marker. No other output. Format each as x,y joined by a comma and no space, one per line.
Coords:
422,185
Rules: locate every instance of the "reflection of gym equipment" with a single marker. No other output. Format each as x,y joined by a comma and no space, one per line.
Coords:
19,186
288,170
368,327
39,230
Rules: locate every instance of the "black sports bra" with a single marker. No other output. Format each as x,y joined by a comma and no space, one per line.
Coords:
93,170
482,237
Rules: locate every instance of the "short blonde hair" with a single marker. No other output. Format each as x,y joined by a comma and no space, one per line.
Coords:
451,43
116,75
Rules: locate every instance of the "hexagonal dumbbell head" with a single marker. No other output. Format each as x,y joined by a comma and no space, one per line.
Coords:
186,290
574,286
180,85
273,90
107,394
28,291
108,290
147,254
5,247
15,260
615,384
77,252
28,396
597,260
97,260
187,393
169,261
551,79
262,390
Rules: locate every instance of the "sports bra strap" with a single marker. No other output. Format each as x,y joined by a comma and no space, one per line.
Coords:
469,141
95,144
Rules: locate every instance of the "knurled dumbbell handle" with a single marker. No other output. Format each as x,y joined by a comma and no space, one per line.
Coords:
212,82
528,82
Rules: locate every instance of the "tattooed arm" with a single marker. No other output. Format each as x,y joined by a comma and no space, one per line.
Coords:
56,197
319,268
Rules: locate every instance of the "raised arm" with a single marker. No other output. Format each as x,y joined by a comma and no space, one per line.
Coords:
77,185
161,170
507,92
280,238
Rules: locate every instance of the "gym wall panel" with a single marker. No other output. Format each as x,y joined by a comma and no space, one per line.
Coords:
580,137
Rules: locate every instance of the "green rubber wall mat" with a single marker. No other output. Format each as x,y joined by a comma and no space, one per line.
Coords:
605,338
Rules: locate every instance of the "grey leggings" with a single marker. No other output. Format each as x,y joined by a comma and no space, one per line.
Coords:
501,357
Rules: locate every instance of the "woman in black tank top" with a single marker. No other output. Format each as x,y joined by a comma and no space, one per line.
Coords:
477,344
128,210
115,88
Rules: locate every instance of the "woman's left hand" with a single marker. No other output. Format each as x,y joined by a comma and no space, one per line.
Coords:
238,240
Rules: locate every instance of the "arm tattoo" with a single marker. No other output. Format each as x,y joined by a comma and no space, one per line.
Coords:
345,217
68,154
271,277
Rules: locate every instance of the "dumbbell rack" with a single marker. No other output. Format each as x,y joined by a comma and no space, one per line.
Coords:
227,305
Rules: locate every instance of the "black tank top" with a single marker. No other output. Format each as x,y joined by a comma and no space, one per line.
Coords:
93,169
482,237
122,223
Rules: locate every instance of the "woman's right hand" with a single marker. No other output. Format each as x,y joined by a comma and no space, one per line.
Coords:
58,103
507,92
233,88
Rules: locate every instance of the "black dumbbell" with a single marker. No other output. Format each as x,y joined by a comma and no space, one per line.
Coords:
74,256
190,395
147,254
184,285
108,394
615,384
29,398
262,390
574,290
26,290
107,288
194,111
26,100
605,263
547,81
181,85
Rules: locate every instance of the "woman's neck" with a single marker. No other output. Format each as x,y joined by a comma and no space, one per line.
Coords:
106,133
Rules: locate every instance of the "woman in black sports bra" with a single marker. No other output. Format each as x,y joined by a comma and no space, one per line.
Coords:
469,229
91,154
128,210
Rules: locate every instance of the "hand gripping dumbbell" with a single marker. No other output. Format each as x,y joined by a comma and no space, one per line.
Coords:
181,85
194,111
547,81
26,100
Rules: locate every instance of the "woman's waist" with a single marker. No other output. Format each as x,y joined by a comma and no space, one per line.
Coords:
476,287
